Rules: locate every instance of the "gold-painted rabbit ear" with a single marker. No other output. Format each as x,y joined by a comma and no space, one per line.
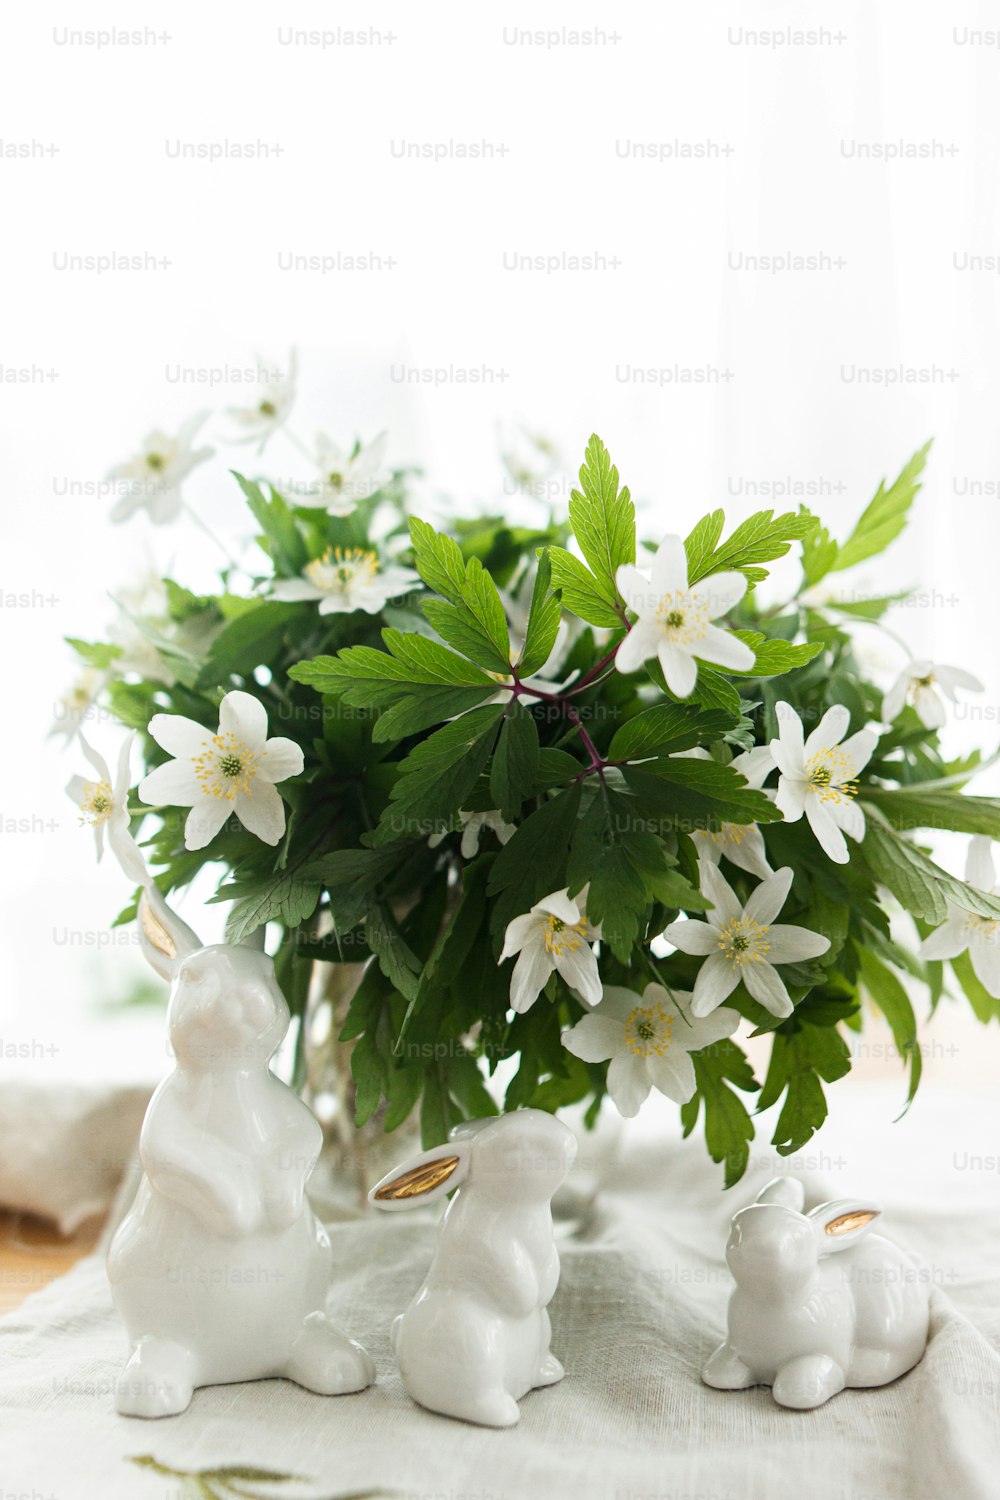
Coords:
842,1223
166,940
423,1178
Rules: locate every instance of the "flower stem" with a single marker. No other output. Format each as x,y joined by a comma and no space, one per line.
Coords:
194,516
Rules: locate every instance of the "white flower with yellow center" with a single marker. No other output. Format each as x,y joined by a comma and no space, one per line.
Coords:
347,475
272,406
924,682
743,943
819,776
675,619
649,1041
741,843
231,771
78,704
155,473
963,931
345,579
554,935
103,805
473,826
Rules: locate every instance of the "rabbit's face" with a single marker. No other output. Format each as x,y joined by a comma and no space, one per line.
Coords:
772,1248
226,1012
522,1157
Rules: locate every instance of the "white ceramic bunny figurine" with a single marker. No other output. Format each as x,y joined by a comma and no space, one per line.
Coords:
808,1322
476,1337
220,1270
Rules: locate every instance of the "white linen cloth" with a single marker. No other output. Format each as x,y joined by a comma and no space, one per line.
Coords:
640,1306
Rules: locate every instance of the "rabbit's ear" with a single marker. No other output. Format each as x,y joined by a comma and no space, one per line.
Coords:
423,1178
786,1191
256,940
166,940
840,1224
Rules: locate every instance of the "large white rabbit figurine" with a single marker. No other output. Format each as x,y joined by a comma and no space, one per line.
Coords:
476,1337
220,1270
820,1303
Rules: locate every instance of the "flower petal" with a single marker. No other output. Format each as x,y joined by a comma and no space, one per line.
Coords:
723,649
790,798
672,1074
280,759
295,590
670,568
849,818
178,736
595,1038
789,944
204,820
706,1030
531,973
749,853
697,938
173,785
946,941
263,813
578,967
767,987
517,934
857,751
985,956
790,737
678,667
829,731
769,897
894,700
636,589
980,870
717,978
638,646
930,708
828,835
720,592
952,677
714,885
558,904
628,1084
245,717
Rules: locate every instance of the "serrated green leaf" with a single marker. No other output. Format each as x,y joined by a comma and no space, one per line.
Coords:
438,559
919,885
439,774
803,1057
774,657
581,592
683,794
96,654
248,640
544,615
611,846
533,863
985,1008
719,1070
602,517
761,538
396,959
289,897
703,541
888,993
954,811
666,729
884,519
286,545
514,771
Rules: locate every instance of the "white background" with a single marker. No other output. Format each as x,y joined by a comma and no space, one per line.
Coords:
781,125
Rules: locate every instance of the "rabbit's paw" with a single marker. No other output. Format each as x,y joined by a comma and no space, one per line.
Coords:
157,1381
725,1371
490,1409
807,1382
549,1371
324,1360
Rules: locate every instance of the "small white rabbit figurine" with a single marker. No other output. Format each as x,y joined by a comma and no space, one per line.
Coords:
220,1270
819,1303
476,1337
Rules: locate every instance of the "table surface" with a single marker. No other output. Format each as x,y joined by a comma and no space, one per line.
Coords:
33,1253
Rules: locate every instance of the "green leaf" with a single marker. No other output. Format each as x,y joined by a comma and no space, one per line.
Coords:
470,615
352,876
514,771
581,592
886,516
95,653
286,545
803,1057
439,774
602,517
251,638
371,1075
954,811
773,657
396,959
438,559
728,1127
416,682
703,541
667,728
892,1000
760,538
683,795
984,1006
611,847
288,897
533,863
914,879
544,615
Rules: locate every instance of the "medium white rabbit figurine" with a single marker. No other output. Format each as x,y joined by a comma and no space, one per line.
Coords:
476,1337
220,1270
819,1303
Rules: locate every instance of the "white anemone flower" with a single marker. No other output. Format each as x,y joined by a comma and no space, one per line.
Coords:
675,619
272,408
926,684
819,776
345,579
743,943
554,935
156,472
79,704
231,771
473,824
347,475
963,931
103,805
649,1041
741,843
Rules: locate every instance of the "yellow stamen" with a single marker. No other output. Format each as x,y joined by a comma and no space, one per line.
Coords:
226,767
830,774
339,568
648,1030
565,937
98,802
743,941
